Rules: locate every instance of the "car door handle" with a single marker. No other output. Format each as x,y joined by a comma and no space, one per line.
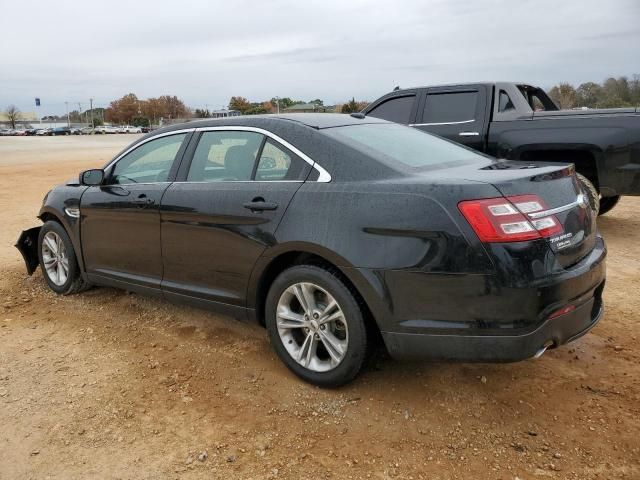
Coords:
260,205
143,201
468,134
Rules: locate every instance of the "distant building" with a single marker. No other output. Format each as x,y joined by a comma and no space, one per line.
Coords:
224,113
307,108
24,118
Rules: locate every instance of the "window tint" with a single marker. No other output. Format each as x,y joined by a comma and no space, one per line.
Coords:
505,102
150,162
397,109
397,144
278,163
450,107
224,156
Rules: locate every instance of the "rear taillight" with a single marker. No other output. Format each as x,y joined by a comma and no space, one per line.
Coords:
506,219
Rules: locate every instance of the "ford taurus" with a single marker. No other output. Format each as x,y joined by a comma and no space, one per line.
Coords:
332,231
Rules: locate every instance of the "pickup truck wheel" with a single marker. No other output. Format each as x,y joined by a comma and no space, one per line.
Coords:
590,190
607,204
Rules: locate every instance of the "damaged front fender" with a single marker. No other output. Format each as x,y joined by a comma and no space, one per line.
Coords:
28,246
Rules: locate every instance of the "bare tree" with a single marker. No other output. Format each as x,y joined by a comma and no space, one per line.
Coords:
13,114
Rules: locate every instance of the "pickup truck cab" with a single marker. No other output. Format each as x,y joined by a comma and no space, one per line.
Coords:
521,122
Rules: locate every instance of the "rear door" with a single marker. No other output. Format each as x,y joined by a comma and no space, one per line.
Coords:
458,113
224,210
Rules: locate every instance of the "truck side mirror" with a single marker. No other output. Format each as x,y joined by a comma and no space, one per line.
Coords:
92,177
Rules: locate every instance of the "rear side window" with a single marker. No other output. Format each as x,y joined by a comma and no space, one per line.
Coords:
450,107
398,145
505,102
278,163
396,109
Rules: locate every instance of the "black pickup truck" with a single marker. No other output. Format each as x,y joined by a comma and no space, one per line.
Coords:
517,121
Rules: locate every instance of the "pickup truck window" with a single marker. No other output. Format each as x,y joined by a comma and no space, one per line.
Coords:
450,107
397,109
505,102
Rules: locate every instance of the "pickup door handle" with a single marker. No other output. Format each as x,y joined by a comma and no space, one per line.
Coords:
259,205
468,134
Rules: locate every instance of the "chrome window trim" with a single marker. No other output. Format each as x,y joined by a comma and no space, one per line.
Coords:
323,175
442,123
579,202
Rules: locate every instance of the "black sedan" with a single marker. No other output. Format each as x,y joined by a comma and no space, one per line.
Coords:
332,231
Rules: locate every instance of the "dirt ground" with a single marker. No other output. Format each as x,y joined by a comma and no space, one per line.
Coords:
107,384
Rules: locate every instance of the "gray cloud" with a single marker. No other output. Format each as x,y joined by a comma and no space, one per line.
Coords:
207,51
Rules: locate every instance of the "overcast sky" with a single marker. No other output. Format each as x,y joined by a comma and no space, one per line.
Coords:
206,51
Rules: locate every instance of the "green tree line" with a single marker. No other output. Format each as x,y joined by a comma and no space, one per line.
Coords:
612,93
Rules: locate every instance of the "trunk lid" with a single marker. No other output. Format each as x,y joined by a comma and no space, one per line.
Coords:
557,186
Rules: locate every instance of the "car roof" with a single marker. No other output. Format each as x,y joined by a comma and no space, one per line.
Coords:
313,120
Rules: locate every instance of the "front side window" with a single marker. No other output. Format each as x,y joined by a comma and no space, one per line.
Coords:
450,107
396,109
225,156
397,145
149,163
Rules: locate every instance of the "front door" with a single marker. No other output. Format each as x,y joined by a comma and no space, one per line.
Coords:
219,219
120,220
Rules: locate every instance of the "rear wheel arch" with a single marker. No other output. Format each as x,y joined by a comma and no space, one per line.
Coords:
288,259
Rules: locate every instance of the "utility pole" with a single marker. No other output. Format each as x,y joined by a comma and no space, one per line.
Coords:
68,121
278,104
79,111
93,123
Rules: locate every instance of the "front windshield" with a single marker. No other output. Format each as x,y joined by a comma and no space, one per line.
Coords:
393,144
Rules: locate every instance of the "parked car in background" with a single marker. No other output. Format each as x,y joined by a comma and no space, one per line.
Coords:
131,129
31,131
331,230
86,131
43,132
520,122
61,131
76,131
146,129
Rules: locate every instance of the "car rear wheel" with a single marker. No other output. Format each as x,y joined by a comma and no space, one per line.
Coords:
607,204
316,325
590,190
58,260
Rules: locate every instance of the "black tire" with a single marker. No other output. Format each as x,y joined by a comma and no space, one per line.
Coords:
356,352
590,190
74,283
607,204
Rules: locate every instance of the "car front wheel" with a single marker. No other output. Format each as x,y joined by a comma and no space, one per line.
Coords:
316,325
58,260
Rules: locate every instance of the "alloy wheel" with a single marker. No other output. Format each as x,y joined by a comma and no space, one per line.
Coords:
312,327
55,259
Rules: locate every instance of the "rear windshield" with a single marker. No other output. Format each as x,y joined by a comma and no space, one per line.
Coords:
397,144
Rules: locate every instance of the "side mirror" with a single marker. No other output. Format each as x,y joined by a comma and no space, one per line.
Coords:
92,177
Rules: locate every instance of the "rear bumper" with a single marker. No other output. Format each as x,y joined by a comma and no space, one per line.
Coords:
476,318
498,348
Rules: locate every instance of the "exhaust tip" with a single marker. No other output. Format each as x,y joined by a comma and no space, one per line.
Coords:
540,352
